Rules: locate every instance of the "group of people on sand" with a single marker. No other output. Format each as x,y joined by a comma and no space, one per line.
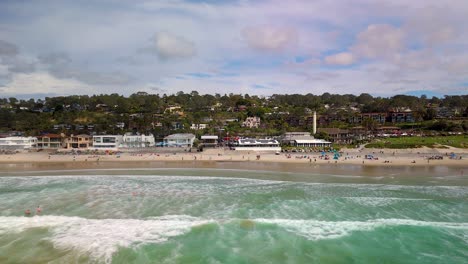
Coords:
27,212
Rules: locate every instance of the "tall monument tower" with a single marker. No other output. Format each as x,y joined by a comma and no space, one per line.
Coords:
314,129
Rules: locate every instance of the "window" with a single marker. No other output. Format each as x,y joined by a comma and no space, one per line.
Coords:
108,140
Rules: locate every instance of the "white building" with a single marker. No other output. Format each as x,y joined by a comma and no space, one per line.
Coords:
209,140
18,143
107,142
303,139
179,140
198,126
310,142
252,122
251,144
131,140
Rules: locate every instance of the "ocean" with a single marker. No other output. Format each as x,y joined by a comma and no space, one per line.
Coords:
203,215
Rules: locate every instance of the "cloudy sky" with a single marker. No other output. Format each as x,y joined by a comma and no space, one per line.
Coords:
257,47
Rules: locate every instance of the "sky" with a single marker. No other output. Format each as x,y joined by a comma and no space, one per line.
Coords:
262,47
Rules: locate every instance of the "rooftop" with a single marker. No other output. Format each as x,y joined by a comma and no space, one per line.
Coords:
209,137
250,141
180,136
311,141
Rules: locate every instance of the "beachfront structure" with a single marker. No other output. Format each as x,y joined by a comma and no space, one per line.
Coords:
78,142
17,143
107,142
131,140
251,122
252,144
209,141
49,141
179,140
310,142
338,135
303,139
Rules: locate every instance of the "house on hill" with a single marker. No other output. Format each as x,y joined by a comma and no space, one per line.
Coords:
252,122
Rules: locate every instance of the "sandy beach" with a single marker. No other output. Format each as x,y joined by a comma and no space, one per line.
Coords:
378,157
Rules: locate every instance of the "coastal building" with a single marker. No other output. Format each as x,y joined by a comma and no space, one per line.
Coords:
303,139
17,143
290,135
198,126
377,117
78,142
179,140
107,142
252,122
401,117
177,125
446,112
175,110
49,141
209,141
252,144
338,135
310,142
131,140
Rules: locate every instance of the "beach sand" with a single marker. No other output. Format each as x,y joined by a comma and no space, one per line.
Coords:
216,158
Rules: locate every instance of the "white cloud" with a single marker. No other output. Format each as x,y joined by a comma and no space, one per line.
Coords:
427,47
7,49
416,60
3,70
169,46
456,65
435,25
269,37
379,41
343,58
44,83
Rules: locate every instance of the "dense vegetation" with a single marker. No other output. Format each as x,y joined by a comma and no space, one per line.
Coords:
149,112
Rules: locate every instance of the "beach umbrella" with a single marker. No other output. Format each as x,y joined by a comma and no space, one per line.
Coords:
336,156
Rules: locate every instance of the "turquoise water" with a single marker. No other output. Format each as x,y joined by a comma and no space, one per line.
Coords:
232,216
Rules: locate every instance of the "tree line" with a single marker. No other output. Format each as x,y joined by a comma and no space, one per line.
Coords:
147,112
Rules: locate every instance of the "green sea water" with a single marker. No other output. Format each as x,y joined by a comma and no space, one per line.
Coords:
232,216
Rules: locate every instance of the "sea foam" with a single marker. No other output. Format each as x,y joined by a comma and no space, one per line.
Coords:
316,230
101,238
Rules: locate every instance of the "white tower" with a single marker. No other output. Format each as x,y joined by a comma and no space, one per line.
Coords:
314,129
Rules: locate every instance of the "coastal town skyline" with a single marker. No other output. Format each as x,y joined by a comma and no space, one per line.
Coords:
241,47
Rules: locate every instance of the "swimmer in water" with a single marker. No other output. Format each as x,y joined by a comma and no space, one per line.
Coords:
38,210
27,212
